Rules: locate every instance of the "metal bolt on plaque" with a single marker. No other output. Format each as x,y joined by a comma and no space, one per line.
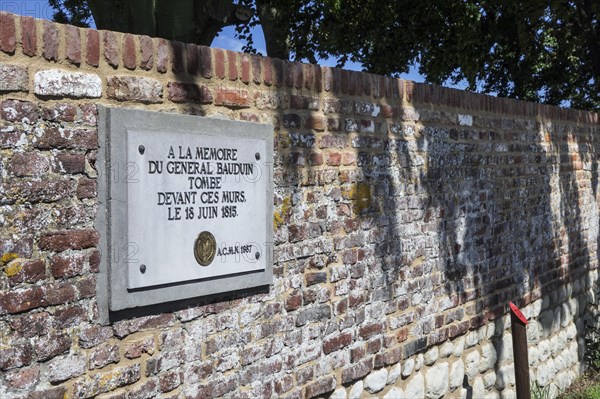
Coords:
205,248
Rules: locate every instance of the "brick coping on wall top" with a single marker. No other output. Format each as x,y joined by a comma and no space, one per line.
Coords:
89,49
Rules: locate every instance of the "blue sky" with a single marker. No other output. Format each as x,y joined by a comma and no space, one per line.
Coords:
226,39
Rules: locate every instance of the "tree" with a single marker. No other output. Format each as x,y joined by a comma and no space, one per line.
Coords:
538,50
183,20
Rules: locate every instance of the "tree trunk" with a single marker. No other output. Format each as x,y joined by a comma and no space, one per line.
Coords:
275,22
189,21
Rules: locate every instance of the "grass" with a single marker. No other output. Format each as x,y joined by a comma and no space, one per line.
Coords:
585,387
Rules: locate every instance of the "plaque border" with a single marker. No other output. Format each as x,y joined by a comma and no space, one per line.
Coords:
112,294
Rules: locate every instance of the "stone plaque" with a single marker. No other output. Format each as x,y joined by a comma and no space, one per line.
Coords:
189,186
189,206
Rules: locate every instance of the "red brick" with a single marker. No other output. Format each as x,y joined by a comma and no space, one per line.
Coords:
169,381
94,335
87,188
22,300
30,272
289,73
136,349
86,287
309,75
94,261
344,80
51,346
70,163
387,111
219,62
315,158
67,265
111,48
352,76
268,71
366,84
129,52
232,98
31,325
189,92
316,123
357,371
358,80
60,113
321,386
334,159
15,356
72,139
23,379
318,78
348,158
93,47
28,164
298,75
69,316
389,357
205,61
51,41
327,79
60,293
162,55
278,71
232,70
146,53
177,56
126,327
374,345
337,342
73,44
256,68
192,58
29,36
8,35
293,302
73,239
245,68
103,355
368,330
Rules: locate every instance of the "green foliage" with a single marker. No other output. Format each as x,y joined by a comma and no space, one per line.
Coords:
538,50
539,392
592,351
73,12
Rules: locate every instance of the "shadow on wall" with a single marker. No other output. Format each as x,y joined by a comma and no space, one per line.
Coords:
514,214
426,223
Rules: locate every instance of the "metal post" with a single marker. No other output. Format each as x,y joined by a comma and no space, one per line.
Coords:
519,339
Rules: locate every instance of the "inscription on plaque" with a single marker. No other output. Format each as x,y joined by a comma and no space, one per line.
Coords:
189,184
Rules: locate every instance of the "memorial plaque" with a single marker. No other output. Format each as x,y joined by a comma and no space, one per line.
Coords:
189,206
192,186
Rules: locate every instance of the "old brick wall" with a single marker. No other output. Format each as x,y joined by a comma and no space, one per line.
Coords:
407,216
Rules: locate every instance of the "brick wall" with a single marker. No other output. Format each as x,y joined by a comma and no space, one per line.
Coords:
407,216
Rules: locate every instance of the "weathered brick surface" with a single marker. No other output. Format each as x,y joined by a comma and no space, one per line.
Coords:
130,88
51,41
13,78
8,35
29,36
406,217
54,82
73,45
93,47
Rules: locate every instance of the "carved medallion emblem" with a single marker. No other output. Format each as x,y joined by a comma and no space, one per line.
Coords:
205,248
